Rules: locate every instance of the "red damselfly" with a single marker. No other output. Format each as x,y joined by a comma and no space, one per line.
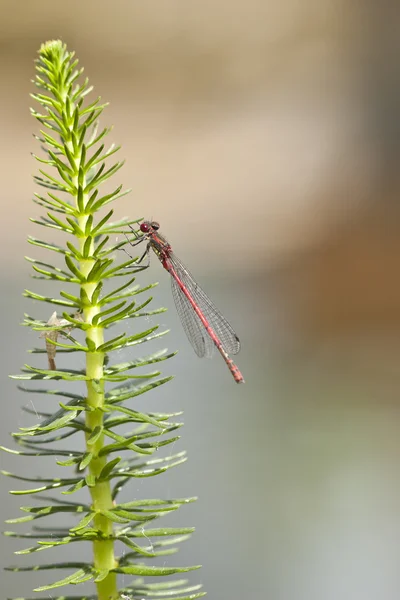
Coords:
205,327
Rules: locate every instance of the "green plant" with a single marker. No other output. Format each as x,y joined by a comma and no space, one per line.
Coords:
74,168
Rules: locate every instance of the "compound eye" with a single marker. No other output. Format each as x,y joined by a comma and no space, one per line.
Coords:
145,227
155,225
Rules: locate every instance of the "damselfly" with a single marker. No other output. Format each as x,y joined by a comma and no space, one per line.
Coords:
205,327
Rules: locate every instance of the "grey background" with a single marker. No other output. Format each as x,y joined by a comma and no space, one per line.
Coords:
265,139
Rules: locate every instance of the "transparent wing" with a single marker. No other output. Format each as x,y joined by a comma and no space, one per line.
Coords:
194,328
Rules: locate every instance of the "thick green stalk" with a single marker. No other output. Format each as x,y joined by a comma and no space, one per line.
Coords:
103,549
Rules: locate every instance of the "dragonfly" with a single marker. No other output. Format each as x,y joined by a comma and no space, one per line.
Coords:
204,325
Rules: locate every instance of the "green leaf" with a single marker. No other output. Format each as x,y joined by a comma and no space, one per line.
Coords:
38,512
48,246
117,316
102,314
95,435
138,389
86,460
160,532
79,575
123,444
74,252
74,269
84,522
129,340
104,200
148,469
135,415
140,362
80,483
34,296
143,570
97,271
101,575
105,472
101,177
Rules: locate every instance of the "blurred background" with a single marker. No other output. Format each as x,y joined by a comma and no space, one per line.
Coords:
265,137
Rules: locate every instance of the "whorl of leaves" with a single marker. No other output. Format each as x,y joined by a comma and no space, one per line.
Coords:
72,171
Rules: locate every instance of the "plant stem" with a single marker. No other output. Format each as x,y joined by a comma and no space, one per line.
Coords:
103,548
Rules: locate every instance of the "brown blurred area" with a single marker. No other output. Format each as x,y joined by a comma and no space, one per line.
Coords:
270,130
265,137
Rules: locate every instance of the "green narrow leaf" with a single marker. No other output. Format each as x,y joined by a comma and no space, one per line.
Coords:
102,314
73,268
108,468
143,570
95,435
34,296
97,271
86,460
73,578
103,221
84,522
